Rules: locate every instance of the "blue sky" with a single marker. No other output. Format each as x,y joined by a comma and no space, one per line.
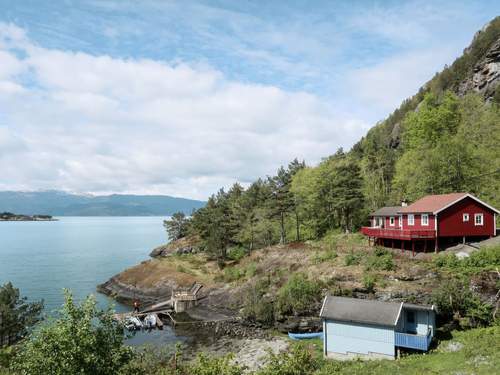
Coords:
181,97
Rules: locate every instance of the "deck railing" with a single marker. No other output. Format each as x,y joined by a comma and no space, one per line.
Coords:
405,234
407,340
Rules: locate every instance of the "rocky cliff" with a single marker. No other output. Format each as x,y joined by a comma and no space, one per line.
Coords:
486,74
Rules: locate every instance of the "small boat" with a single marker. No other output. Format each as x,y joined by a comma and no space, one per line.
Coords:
305,336
133,323
150,321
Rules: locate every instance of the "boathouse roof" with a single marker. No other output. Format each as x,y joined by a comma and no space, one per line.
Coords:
364,311
361,310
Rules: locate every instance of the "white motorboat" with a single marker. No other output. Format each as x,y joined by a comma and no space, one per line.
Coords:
133,323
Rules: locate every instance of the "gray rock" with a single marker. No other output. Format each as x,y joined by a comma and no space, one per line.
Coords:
453,346
486,74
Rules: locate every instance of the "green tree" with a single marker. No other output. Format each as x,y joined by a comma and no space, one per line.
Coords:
177,227
83,340
17,316
298,295
281,200
436,117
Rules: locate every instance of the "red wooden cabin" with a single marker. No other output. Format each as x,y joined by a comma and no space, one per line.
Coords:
431,220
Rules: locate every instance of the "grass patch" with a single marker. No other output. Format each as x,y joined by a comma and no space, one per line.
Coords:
324,256
232,274
183,269
479,355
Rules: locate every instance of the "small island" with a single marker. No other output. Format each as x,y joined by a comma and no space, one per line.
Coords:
9,216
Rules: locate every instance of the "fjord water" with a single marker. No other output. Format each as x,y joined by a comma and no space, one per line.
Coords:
77,253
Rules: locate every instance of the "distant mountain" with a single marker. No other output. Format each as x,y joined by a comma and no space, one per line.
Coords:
58,203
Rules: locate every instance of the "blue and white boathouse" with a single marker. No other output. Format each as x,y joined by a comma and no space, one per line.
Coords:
374,329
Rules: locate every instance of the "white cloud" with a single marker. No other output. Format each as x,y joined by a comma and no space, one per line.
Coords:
385,85
99,124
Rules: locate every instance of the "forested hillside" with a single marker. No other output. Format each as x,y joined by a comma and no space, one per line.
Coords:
445,138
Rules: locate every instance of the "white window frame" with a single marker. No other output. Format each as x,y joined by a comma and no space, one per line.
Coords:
412,221
465,217
426,223
400,221
476,216
392,221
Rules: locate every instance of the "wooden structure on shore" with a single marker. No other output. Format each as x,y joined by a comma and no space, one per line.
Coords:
185,298
182,299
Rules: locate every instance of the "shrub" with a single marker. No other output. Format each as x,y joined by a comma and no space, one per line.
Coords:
298,361
205,365
446,261
298,295
251,270
484,259
380,262
369,282
455,300
232,274
236,253
6,356
352,259
488,258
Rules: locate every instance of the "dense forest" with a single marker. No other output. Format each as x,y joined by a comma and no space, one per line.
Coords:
443,139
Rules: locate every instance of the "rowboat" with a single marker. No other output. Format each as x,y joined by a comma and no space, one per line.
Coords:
305,336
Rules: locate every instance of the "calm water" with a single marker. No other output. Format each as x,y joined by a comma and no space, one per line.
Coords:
42,258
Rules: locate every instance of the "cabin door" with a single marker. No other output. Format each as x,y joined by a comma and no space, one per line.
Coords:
411,322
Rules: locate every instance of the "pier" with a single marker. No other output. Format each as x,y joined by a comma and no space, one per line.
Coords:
181,300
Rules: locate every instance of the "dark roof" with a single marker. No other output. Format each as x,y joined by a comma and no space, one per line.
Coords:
387,211
412,306
361,311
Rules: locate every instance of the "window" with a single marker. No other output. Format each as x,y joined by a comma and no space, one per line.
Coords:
410,316
478,219
411,219
400,221
391,221
425,219
466,217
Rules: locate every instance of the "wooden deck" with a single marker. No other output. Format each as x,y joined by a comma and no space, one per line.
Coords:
399,234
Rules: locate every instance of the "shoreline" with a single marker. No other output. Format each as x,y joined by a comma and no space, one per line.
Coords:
8,216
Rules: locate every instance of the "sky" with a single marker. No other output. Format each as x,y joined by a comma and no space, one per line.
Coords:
184,97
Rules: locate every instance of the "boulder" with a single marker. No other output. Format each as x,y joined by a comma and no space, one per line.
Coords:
185,245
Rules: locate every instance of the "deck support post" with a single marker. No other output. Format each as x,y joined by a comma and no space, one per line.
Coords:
392,243
463,240
412,248
436,245
425,245
402,246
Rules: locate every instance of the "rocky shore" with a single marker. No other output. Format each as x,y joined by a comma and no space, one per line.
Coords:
127,293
